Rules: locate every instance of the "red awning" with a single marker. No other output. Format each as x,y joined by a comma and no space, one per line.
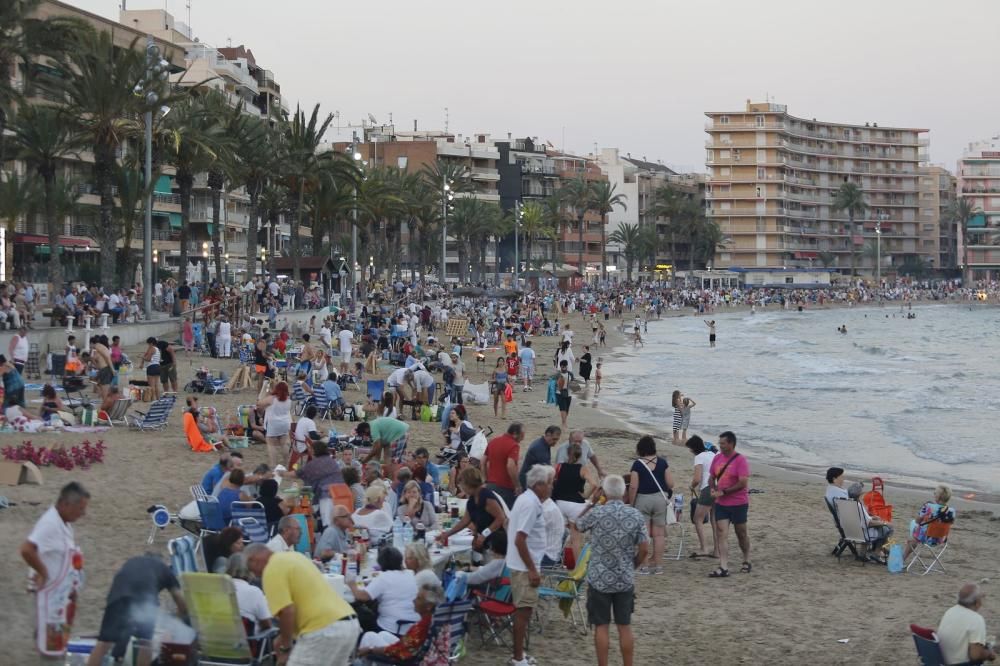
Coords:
30,239
806,255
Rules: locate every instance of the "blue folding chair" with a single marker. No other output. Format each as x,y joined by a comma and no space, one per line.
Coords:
182,550
303,545
251,518
321,401
300,397
454,615
211,514
928,647
375,389
155,418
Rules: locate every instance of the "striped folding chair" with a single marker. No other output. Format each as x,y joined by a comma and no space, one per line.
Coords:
251,518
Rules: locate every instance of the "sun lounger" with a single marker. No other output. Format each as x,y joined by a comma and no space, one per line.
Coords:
215,615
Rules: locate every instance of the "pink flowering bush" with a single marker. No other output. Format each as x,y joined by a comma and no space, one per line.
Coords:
79,456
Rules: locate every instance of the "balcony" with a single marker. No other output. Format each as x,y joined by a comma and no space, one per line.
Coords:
485,174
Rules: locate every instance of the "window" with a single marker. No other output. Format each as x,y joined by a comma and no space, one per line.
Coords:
760,191
724,171
723,154
723,120
760,121
736,154
725,138
761,173
789,280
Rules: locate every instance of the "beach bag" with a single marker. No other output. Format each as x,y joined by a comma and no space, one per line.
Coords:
550,396
477,446
895,563
425,413
508,393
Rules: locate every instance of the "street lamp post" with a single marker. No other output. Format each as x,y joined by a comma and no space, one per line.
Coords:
880,217
445,197
518,212
156,74
227,268
263,261
354,227
204,266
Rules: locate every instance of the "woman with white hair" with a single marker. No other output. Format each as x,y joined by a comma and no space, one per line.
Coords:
371,516
250,599
400,649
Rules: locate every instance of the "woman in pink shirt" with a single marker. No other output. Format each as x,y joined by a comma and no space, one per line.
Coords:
730,483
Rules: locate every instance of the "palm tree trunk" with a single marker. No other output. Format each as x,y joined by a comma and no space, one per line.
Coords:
185,182
216,246
673,256
604,250
296,227
53,226
579,250
854,258
252,226
628,269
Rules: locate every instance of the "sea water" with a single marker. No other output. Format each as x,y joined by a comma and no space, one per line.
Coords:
910,399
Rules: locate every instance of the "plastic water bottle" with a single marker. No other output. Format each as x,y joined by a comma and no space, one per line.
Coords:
397,535
407,534
679,505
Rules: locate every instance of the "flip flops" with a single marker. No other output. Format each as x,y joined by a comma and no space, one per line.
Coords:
746,568
719,573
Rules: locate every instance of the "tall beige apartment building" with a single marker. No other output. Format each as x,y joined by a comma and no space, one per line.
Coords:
772,179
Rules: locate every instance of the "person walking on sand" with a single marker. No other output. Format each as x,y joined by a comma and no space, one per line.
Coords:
563,398
729,479
711,332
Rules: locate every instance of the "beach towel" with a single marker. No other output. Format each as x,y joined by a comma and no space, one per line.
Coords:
550,396
195,439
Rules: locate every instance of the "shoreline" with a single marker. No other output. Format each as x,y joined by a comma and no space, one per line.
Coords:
966,495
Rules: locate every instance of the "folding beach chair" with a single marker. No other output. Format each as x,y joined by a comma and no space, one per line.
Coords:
932,544
243,417
454,616
494,612
155,418
567,589
215,616
375,389
852,520
843,544
251,518
928,647
182,554
211,515
117,414
300,398
321,401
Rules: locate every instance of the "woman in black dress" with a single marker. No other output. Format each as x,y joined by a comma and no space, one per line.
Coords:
585,365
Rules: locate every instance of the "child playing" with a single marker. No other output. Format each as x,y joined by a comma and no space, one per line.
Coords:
597,377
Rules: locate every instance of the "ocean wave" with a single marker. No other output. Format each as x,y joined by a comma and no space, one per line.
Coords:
787,342
872,349
797,385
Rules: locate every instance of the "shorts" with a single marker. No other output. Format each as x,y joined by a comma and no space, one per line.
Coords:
169,372
345,356
153,371
119,624
105,376
15,397
563,402
523,595
527,371
398,449
571,510
653,507
711,337
602,605
737,515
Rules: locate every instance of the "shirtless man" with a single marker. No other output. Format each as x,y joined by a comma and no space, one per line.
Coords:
307,355
100,357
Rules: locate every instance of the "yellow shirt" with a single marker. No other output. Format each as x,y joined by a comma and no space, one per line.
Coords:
510,346
291,578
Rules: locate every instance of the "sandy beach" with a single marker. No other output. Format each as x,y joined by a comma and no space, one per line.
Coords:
799,605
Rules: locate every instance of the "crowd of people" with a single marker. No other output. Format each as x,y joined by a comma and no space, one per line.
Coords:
548,505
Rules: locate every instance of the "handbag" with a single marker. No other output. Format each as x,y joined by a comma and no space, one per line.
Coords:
508,393
671,514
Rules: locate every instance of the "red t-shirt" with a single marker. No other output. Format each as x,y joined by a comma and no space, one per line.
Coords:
498,452
513,365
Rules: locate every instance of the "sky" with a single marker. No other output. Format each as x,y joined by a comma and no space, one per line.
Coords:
633,74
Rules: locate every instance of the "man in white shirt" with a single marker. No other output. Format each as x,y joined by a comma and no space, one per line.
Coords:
567,334
326,335
962,630
425,385
586,451
526,543
346,339
289,532
50,550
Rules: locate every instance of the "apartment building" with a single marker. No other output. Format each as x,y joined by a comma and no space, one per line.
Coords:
234,73
531,170
418,150
937,192
772,179
30,241
979,184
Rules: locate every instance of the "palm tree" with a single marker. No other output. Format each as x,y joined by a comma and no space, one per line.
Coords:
630,237
99,81
578,195
43,138
827,259
272,204
650,244
303,167
850,198
604,200
228,121
532,225
256,162
132,193
18,198
960,212
25,36
555,221
706,239
670,203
